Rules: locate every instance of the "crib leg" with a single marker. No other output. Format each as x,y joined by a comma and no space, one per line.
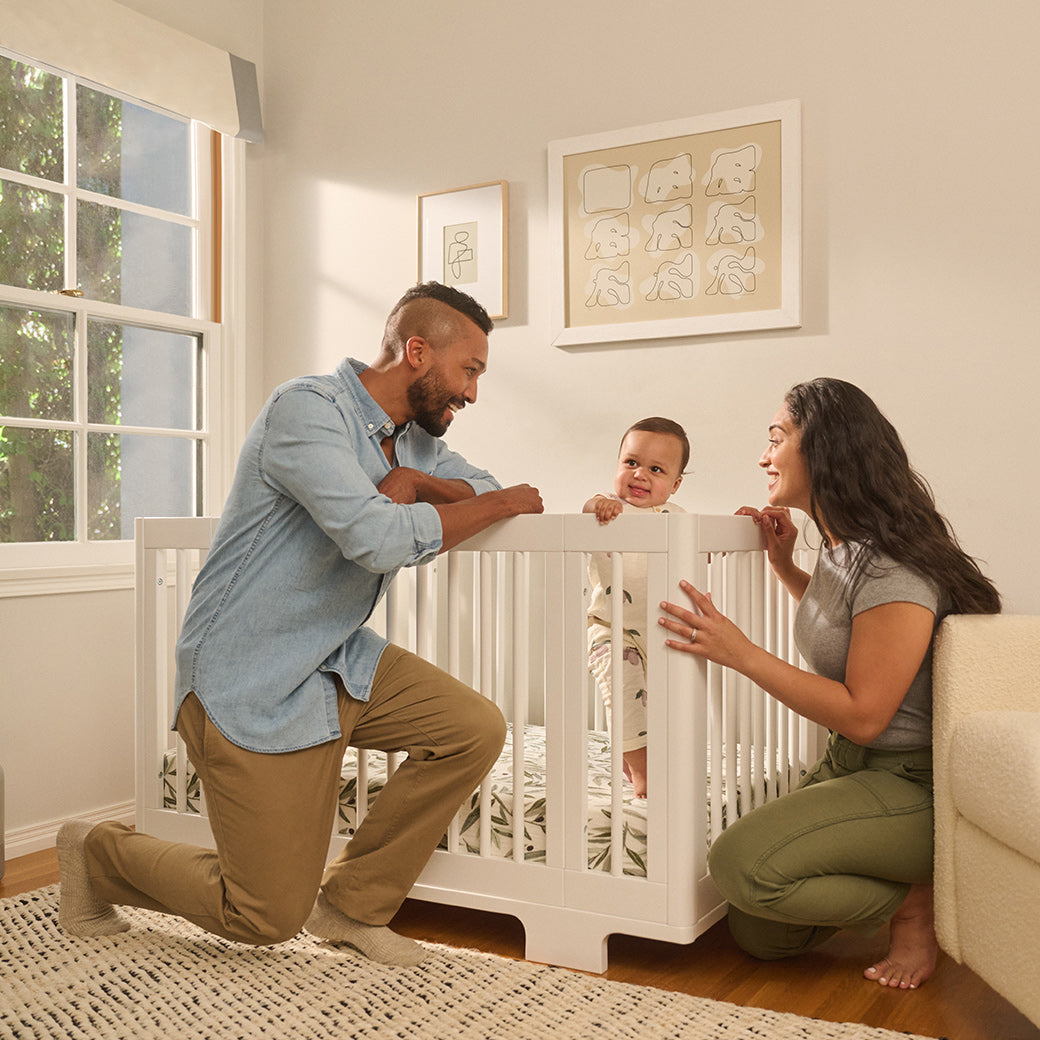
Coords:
566,939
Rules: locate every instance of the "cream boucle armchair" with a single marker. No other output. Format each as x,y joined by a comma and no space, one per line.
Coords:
987,800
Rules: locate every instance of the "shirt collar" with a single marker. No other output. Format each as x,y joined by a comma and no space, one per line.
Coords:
376,422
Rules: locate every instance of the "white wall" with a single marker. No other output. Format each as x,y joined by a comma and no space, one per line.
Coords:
920,227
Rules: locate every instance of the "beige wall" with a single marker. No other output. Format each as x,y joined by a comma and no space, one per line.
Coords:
920,274
921,231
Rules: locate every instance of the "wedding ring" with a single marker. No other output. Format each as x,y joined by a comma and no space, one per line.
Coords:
693,635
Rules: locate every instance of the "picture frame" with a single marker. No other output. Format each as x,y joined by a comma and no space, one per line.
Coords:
464,242
681,228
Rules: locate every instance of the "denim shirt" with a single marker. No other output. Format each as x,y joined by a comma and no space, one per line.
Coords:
305,548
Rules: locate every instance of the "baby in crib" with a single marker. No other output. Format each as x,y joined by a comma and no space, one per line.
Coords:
654,452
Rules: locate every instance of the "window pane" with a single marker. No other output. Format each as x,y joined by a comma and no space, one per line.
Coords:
131,475
32,237
31,120
36,350
36,485
140,377
132,153
134,260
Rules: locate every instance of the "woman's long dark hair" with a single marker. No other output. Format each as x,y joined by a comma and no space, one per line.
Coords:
863,489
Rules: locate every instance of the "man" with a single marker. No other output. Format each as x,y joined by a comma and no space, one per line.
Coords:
342,480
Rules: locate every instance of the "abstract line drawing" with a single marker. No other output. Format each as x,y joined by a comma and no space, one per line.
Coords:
672,229
732,222
609,237
606,188
733,173
460,254
682,228
674,280
670,179
611,287
734,275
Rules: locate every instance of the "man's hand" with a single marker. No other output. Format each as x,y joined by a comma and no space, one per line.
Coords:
401,485
521,498
406,486
462,520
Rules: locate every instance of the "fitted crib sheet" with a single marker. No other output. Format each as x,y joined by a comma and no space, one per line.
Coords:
500,780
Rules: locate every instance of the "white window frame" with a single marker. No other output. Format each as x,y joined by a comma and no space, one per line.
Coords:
32,568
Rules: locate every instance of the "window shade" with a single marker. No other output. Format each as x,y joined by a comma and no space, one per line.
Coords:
115,47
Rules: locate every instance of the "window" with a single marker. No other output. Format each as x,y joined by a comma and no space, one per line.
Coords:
109,317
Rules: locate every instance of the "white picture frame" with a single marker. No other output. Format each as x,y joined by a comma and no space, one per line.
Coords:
464,242
681,228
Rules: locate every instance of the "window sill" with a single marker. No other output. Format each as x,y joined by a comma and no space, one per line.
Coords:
60,581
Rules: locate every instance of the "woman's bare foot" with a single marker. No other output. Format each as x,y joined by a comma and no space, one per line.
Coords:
912,948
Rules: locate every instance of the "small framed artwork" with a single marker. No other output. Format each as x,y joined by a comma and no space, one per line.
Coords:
463,242
682,228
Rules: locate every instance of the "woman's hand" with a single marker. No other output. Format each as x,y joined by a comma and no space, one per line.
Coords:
780,533
888,645
705,631
779,530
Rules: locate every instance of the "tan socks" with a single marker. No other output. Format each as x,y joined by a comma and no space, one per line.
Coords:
376,942
80,912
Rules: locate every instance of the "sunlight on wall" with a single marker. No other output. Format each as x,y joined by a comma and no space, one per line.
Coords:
360,234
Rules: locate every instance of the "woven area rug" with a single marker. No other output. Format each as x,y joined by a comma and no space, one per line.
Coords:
168,979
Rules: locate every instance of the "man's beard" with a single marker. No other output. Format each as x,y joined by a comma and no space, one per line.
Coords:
429,399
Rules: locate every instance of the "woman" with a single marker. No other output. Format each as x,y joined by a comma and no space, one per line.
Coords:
852,846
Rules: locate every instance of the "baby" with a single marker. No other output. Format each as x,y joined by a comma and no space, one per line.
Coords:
654,453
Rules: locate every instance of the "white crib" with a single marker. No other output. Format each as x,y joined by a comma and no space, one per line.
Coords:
506,613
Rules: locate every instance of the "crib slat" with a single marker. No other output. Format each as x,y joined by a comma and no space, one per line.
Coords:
661,714
559,689
723,767
738,607
521,650
361,787
487,676
617,725
452,616
156,575
572,739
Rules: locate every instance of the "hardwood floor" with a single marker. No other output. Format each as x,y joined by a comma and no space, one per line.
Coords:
955,1003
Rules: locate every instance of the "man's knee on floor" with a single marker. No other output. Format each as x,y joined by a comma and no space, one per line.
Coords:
276,922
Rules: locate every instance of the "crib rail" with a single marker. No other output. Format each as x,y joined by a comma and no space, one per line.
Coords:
506,613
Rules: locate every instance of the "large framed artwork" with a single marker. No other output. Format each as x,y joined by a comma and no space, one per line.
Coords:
682,228
464,242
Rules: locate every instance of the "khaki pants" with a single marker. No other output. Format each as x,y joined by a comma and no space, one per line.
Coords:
272,814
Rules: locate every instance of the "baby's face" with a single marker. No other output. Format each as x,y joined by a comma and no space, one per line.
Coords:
648,470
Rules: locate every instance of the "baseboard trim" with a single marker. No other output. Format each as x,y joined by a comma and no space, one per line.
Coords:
42,836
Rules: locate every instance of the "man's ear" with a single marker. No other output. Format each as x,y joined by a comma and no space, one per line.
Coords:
416,351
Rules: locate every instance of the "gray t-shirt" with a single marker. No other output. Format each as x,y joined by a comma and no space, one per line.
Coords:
823,630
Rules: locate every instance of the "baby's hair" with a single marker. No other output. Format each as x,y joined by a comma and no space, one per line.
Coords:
655,424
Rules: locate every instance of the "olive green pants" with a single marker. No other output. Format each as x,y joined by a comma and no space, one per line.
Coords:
272,814
841,851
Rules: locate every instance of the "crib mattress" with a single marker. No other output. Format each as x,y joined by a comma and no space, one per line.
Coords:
500,780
